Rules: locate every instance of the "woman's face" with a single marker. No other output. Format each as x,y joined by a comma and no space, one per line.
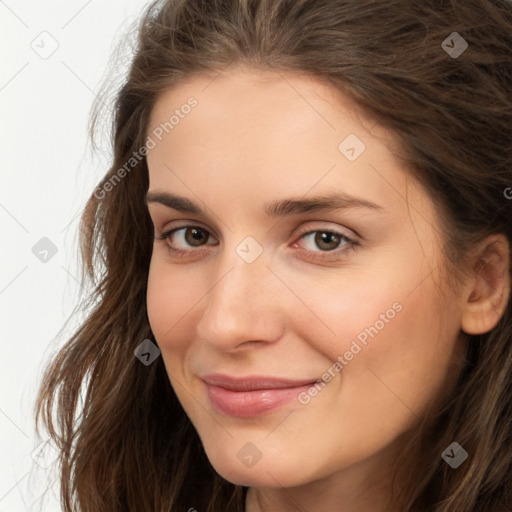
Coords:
301,251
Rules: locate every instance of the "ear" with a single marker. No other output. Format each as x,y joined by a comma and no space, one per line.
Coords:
487,292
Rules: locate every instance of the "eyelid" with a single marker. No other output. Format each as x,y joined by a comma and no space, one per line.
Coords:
309,228
351,241
165,233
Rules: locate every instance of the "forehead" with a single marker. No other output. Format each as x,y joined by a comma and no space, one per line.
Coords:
258,99
263,133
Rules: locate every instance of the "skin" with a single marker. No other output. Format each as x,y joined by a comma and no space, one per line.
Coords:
256,137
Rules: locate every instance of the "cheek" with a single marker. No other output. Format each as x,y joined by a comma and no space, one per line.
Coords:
394,332
388,381
406,354
418,347
171,297
347,306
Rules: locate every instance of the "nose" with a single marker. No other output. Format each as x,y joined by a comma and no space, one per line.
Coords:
243,306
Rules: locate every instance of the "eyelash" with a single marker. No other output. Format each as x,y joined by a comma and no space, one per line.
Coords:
350,243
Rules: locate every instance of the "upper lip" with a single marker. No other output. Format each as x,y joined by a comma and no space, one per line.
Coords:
254,382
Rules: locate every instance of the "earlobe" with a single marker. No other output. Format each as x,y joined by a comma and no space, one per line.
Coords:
488,291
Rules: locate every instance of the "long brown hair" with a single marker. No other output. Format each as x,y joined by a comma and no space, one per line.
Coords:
125,442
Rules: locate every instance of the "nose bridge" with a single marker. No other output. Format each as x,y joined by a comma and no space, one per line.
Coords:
233,291
239,305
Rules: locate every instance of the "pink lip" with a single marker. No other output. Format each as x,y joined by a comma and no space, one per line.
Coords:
252,396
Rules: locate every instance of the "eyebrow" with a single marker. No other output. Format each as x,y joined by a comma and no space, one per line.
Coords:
277,208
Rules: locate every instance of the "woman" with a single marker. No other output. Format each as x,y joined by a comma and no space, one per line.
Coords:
301,260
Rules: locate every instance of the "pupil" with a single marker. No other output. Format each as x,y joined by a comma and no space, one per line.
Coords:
326,240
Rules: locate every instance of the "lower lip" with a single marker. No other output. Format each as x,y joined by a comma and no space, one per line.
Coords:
248,404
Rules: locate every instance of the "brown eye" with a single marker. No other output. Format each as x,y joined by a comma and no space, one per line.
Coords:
186,238
325,243
327,240
195,236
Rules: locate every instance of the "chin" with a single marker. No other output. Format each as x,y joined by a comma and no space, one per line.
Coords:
266,472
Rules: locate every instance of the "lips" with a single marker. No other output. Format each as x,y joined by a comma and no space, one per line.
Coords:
252,396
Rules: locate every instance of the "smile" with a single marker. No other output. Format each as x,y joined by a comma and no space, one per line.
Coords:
247,398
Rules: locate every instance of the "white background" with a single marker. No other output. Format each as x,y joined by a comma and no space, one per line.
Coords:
47,170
